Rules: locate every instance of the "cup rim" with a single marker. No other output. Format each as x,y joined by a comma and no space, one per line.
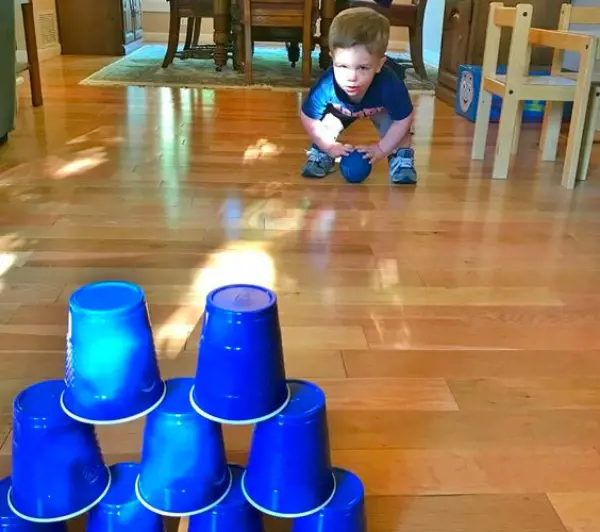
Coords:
60,518
120,421
272,305
165,513
76,308
254,421
284,515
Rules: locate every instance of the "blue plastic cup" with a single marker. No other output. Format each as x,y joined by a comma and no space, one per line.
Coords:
346,511
184,468
289,470
120,510
240,377
57,467
11,522
111,370
234,514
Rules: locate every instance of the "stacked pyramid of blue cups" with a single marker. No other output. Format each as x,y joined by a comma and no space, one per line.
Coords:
112,376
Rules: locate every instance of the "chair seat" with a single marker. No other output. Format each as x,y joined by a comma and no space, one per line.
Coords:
403,15
195,8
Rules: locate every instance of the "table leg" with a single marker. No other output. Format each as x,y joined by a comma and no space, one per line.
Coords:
32,54
222,23
327,16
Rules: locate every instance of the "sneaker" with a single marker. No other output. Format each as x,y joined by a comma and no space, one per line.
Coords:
402,167
319,164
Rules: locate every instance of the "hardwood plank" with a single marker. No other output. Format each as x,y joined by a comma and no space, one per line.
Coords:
453,472
5,429
527,394
388,394
471,363
467,430
578,511
30,293
7,312
477,334
462,513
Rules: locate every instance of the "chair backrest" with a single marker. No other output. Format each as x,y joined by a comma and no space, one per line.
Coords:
283,13
519,56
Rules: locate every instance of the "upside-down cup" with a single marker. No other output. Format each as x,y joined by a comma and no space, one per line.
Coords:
346,511
289,472
184,468
120,510
240,376
111,369
57,467
10,522
233,514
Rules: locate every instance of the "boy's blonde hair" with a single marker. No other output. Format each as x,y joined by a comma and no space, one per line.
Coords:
360,26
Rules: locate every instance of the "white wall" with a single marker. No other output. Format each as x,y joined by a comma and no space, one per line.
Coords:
432,31
156,6
571,60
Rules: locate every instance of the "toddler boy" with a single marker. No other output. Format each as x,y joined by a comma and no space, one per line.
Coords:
362,83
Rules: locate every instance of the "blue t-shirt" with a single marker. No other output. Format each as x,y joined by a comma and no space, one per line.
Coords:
387,92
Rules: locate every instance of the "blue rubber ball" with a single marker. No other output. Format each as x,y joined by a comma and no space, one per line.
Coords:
354,167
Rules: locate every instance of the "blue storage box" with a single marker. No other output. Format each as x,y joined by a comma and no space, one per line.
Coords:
467,96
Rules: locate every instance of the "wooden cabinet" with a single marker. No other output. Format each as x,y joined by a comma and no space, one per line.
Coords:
463,37
99,27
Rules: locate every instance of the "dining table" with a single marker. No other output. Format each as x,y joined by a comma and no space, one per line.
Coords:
223,17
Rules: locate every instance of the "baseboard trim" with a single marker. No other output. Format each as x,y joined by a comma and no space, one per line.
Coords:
43,53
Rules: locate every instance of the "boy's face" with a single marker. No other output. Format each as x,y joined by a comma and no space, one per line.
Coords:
354,69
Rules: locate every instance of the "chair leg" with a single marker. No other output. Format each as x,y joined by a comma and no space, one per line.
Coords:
248,53
293,51
517,131
506,130
576,130
590,132
238,46
553,114
197,29
416,52
35,80
174,28
482,124
189,33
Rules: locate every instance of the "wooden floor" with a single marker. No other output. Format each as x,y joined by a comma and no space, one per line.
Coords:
453,326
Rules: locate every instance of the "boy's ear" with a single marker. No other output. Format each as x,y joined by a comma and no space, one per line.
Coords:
380,64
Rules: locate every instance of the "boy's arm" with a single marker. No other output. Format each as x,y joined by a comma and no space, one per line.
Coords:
323,137
393,138
391,141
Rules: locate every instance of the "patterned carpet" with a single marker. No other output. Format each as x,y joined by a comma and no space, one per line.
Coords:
271,69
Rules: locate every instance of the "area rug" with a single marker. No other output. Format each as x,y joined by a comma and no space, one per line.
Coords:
271,69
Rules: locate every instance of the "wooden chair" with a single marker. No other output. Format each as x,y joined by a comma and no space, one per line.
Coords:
569,15
517,86
292,18
194,11
33,61
409,16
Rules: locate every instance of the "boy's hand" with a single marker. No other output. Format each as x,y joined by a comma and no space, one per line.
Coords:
339,150
372,152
